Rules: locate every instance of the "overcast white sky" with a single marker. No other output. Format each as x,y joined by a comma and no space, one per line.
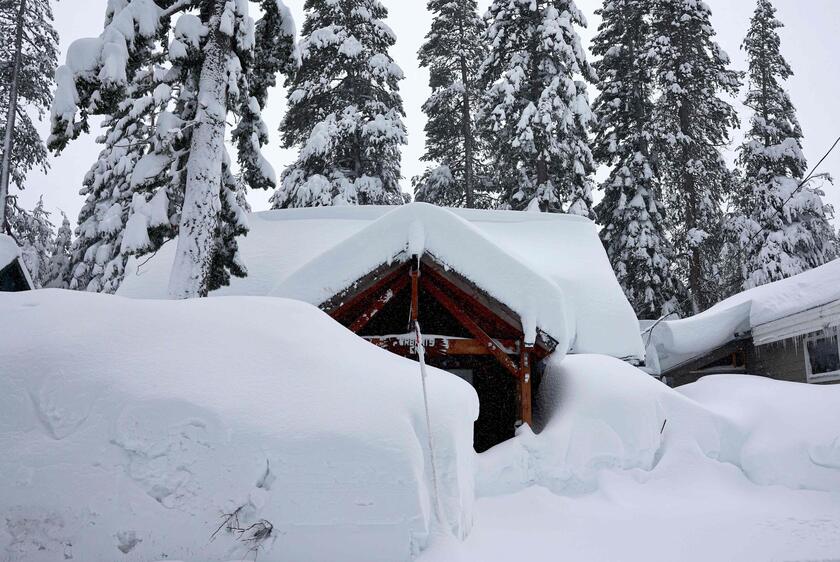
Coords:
810,42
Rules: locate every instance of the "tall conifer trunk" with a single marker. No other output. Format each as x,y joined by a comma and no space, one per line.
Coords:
467,128
202,203
11,118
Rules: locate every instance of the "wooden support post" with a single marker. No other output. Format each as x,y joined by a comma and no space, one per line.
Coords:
415,290
525,413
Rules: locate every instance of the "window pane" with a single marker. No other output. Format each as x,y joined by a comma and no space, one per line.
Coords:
824,355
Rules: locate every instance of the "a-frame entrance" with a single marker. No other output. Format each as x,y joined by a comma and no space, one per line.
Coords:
467,332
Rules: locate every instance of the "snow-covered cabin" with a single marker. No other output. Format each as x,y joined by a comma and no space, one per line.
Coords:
786,330
494,292
13,273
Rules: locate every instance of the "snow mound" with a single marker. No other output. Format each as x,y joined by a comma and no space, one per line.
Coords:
600,415
596,413
782,433
132,428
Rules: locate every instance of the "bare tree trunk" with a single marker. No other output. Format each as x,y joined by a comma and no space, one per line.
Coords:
8,138
202,200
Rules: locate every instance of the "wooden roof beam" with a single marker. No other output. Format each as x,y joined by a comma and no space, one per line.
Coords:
471,326
377,305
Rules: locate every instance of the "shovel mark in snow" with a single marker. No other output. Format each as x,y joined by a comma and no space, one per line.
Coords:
63,405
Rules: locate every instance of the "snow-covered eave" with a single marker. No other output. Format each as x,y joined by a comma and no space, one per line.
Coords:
784,309
26,274
816,319
420,229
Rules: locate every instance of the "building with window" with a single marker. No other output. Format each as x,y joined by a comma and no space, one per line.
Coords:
787,330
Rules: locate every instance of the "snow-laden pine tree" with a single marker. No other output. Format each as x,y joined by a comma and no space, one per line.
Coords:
34,233
535,109
98,255
345,112
781,226
197,73
59,264
690,124
453,52
632,217
28,57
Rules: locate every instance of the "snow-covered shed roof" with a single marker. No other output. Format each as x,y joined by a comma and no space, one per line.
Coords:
677,341
9,252
549,269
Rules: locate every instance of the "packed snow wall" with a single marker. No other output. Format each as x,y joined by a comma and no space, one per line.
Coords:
215,430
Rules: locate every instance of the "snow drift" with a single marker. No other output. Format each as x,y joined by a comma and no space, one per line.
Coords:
600,415
729,468
129,427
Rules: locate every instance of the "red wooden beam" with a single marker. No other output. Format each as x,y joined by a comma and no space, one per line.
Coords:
471,326
414,313
361,300
376,307
494,315
405,345
525,410
474,306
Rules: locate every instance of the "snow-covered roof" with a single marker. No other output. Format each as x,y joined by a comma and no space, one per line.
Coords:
549,269
9,250
677,341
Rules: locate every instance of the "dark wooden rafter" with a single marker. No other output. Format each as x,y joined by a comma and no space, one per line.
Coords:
375,307
501,321
496,317
471,326
353,301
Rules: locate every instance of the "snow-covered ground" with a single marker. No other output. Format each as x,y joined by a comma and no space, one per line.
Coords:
129,427
744,469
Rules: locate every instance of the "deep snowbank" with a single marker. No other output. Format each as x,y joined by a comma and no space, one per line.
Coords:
627,469
128,427
777,432
600,413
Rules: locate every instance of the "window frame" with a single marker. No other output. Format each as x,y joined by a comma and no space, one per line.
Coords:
831,376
